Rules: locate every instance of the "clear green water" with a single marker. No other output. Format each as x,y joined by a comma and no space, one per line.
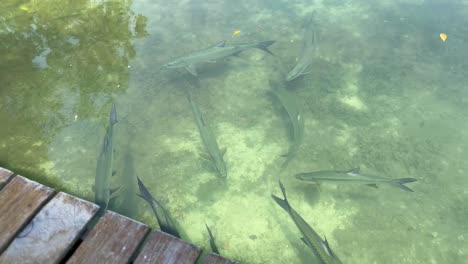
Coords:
385,93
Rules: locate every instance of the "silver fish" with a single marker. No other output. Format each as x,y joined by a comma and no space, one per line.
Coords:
214,53
319,247
164,220
102,181
353,176
292,107
213,246
309,48
215,155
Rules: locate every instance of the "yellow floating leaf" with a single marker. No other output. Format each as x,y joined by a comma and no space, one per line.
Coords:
443,36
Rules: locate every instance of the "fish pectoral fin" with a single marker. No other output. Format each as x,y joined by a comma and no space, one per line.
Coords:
221,44
304,73
192,69
353,172
205,156
373,185
113,191
317,185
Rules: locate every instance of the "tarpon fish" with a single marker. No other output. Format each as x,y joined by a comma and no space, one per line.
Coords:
164,220
214,154
308,50
127,200
213,246
320,247
214,53
292,107
102,181
353,176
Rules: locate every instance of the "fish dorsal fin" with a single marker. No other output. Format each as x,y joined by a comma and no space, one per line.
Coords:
353,172
192,69
304,73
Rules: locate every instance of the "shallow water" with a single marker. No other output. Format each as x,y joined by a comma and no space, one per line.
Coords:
385,93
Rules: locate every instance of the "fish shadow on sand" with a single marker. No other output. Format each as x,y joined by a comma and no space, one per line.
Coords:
310,192
211,191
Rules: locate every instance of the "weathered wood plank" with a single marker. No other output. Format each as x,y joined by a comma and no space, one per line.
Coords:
20,199
49,235
166,249
4,176
213,258
114,239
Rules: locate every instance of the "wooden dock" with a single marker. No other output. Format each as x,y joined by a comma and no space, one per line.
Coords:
40,225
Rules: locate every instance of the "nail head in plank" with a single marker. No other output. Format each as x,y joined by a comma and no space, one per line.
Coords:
49,235
114,239
4,176
213,258
19,201
167,249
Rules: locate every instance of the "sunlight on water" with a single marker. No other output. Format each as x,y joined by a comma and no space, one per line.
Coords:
380,90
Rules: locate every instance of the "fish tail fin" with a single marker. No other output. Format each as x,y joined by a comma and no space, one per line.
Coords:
400,183
113,115
281,202
145,199
284,203
209,230
283,190
264,46
144,193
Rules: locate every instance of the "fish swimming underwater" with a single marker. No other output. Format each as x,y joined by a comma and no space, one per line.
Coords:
353,176
102,181
164,220
214,153
213,54
319,247
213,246
292,106
309,48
